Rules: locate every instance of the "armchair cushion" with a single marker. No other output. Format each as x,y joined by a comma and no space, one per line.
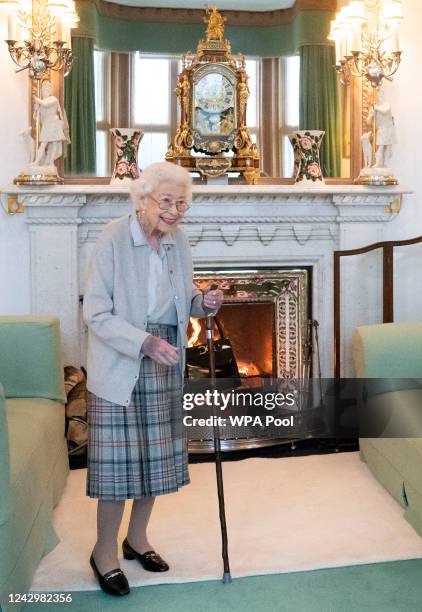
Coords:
388,350
38,472
30,357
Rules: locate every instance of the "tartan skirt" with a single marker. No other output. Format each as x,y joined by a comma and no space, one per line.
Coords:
139,450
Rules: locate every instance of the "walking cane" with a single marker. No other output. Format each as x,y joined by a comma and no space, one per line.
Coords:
217,452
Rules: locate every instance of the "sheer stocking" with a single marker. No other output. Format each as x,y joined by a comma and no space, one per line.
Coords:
136,535
109,517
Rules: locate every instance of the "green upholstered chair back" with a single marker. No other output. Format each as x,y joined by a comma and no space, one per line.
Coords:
31,358
388,350
4,460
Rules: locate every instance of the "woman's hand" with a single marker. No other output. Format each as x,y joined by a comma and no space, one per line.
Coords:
212,299
160,350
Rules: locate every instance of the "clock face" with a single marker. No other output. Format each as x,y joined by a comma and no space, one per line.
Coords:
214,110
214,93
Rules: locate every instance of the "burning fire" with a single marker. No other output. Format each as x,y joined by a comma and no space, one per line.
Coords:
196,330
248,368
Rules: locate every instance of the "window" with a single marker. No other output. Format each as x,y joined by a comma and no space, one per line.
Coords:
289,109
153,104
137,90
252,110
145,100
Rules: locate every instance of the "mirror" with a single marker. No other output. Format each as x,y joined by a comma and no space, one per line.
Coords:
137,90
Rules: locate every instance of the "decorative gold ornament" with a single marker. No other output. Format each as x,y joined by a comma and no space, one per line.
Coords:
213,91
24,178
377,181
14,205
215,24
394,208
214,166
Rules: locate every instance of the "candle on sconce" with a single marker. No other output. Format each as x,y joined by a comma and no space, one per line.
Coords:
66,32
343,44
357,40
349,42
63,30
395,44
11,25
59,33
338,51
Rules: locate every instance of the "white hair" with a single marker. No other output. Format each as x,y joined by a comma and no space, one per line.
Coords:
157,173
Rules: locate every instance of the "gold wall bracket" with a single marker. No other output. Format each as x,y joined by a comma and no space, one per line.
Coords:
394,207
14,206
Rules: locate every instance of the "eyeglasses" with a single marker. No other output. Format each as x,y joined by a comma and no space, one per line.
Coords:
165,203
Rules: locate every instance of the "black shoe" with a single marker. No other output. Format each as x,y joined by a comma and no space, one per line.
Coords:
113,582
150,560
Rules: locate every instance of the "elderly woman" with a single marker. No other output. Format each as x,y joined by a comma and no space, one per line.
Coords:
138,299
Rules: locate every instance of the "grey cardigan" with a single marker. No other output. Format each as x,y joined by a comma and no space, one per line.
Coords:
115,306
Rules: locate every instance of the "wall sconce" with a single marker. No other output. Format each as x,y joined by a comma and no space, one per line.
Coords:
366,38
39,36
367,46
39,40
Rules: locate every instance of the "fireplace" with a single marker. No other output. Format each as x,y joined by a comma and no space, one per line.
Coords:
265,316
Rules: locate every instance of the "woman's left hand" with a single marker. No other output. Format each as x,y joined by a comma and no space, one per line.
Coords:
212,299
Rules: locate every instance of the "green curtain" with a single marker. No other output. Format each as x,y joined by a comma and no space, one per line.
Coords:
319,104
79,100
308,27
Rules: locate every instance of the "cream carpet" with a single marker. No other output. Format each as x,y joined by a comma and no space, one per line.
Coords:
283,515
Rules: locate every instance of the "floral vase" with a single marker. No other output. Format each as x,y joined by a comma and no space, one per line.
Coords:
126,144
307,166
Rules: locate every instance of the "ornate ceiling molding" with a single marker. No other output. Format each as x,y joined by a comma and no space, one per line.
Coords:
234,18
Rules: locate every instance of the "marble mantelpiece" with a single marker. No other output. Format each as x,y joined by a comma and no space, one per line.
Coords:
228,226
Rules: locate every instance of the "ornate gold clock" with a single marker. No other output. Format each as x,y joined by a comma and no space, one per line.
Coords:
213,91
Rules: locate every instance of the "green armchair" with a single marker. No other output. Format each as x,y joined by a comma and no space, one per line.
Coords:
393,352
33,451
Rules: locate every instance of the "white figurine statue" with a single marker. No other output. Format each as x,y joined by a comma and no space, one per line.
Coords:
29,143
54,131
385,131
385,134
